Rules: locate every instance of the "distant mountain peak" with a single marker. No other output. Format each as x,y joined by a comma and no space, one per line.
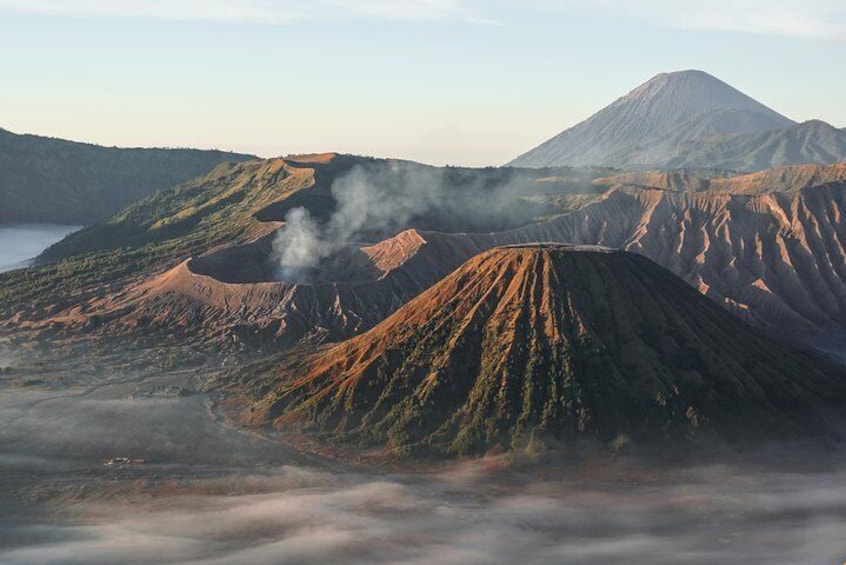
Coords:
817,124
680,96
662,80
686,75
653,122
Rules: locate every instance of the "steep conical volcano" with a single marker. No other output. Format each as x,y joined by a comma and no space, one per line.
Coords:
649,125
555,342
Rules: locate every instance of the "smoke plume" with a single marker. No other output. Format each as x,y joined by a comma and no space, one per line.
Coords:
377,201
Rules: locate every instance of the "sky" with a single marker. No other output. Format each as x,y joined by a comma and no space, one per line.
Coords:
464,82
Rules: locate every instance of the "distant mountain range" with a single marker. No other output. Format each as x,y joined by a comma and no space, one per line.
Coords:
689,119
56,181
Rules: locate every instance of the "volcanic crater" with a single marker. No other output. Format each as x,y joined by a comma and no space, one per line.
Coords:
258,262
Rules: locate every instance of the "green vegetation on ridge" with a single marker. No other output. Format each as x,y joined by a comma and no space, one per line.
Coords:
64,182
154,234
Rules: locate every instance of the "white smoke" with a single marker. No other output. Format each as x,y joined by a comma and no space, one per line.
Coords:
383,200
299,245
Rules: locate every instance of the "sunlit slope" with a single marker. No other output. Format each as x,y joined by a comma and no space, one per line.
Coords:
547,343
157,233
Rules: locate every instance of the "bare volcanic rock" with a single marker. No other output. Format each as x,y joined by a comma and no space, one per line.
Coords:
777,261
548,343
231,298
197,262
790,179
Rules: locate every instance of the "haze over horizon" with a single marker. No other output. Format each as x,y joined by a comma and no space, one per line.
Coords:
441,82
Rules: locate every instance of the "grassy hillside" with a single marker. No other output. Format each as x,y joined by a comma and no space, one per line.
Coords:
158,232
64,182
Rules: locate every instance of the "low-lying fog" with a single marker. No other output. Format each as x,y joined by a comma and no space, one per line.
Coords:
206,493
20,243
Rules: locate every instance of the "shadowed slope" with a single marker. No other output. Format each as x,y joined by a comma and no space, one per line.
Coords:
52,180
550,343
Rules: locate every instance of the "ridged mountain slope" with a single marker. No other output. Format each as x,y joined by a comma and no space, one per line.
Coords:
777,261
548,343
810,142
789,179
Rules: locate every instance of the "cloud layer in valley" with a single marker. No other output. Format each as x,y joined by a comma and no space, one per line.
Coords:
705,515
209,494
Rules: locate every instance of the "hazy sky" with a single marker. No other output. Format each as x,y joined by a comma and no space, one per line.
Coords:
441,81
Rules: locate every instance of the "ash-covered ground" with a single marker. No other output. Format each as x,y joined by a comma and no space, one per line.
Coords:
106,465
